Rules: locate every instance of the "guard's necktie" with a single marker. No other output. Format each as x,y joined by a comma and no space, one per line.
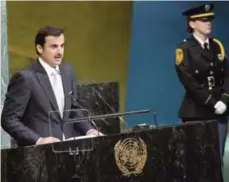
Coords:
206,46
208,54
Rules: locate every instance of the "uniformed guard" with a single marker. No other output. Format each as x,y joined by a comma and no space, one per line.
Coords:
202,68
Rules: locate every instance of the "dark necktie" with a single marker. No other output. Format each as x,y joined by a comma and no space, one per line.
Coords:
207,53
205,46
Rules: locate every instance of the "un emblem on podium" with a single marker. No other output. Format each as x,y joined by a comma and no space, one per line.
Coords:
130,155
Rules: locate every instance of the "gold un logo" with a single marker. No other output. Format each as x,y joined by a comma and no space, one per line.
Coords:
130,156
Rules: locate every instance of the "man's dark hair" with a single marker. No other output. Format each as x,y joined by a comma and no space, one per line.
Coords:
47,31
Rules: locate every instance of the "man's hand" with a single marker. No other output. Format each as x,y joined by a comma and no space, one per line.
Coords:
94,132
46,140
220,107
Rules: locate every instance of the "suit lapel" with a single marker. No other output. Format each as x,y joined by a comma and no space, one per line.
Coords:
46,85
196,45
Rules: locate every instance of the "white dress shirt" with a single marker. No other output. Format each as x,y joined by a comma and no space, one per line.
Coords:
56,83
201,41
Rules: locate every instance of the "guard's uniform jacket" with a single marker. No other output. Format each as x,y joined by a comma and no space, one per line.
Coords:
205,76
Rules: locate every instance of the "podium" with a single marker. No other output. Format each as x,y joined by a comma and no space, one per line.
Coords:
180,153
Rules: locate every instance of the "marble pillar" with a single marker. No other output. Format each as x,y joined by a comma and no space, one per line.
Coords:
5,139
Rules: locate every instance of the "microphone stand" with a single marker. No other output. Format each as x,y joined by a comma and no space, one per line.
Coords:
108,105
108,116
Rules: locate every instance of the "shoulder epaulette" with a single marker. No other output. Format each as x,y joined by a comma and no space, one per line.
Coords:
222,50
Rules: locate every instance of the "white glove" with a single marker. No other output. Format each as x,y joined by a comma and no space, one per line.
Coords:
220,107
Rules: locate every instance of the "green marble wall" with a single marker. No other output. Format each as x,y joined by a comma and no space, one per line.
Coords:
5,139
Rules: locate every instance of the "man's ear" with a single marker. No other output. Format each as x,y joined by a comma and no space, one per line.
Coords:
39,48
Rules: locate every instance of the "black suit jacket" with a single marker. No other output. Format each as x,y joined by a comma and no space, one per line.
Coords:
205,76
29,100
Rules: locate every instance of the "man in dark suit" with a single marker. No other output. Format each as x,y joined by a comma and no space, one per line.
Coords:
46,85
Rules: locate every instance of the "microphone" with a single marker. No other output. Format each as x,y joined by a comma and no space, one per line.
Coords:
104,120
75,105
109,115
108,105
98,94
99,117
101,97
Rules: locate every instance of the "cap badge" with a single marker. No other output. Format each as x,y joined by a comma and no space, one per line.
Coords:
207,7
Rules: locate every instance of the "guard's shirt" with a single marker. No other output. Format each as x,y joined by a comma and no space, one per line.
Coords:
204,72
